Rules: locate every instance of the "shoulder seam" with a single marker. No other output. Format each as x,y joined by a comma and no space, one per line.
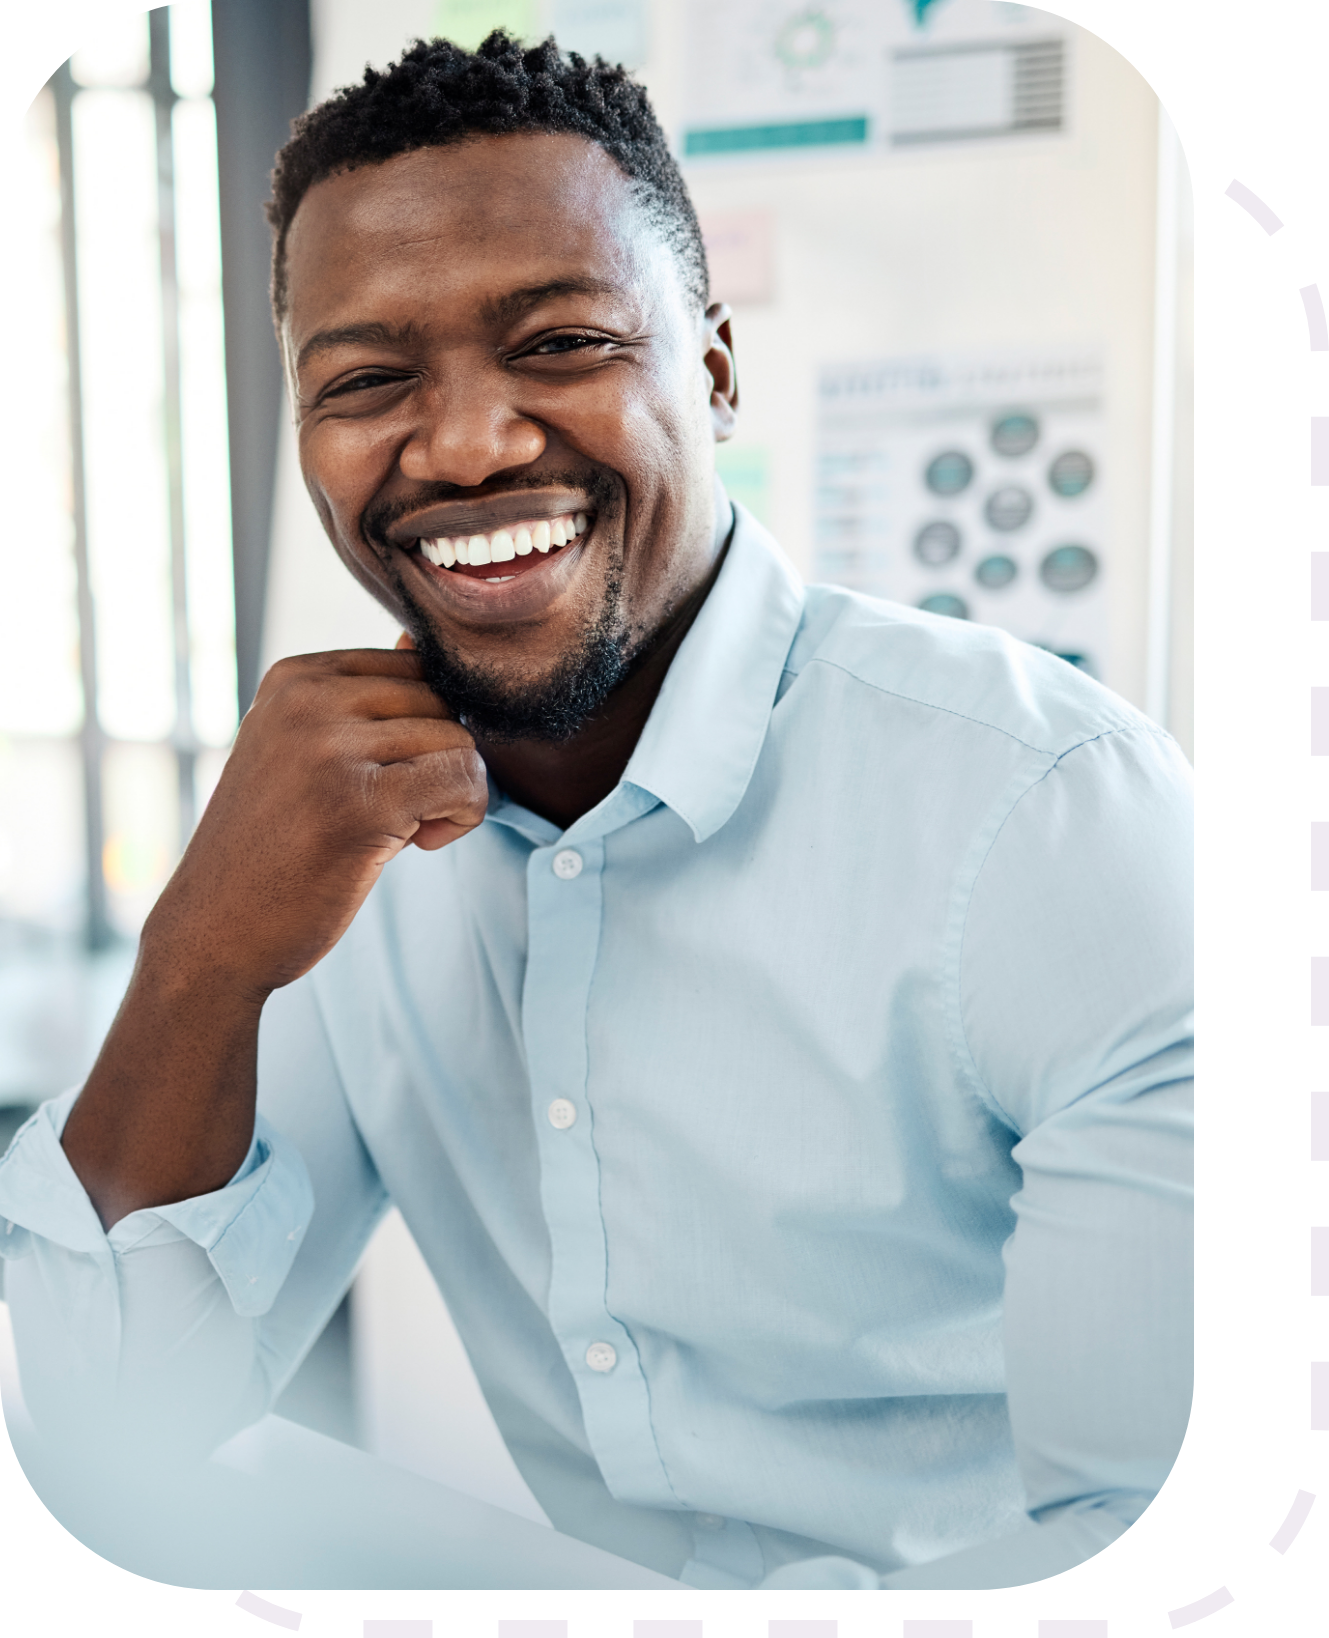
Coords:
979,722
985,1091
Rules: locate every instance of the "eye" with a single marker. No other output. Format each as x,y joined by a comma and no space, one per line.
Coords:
366,381
552,346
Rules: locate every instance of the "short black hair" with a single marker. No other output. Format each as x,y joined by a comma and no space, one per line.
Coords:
437,93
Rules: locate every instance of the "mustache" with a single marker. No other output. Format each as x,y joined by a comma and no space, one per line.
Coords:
603,488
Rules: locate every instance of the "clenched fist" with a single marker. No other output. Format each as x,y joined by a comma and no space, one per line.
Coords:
342,760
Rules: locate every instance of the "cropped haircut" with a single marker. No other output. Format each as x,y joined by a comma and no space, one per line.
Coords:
437,94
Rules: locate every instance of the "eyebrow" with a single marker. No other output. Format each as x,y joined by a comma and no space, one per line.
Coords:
495,310
504,309
359,335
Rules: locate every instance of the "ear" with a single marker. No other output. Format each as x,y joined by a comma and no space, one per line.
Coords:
720,366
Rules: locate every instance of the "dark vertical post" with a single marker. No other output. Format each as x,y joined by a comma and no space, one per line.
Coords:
163,103
97,929
262,58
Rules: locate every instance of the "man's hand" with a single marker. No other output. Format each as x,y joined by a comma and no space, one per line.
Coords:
342,760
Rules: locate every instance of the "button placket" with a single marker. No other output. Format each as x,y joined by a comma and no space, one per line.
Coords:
564,908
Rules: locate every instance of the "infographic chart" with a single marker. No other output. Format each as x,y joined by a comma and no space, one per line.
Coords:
972,486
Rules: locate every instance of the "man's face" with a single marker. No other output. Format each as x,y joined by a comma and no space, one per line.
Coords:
488,340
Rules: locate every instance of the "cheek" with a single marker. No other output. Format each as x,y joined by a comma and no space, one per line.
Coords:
339,461
651,431
340,485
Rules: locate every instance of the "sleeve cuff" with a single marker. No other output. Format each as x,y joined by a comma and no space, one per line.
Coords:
1032,1552
251,1229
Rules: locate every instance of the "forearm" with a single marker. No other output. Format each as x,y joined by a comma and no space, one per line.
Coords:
168,1110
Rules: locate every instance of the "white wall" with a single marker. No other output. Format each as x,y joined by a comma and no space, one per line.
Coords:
1034,240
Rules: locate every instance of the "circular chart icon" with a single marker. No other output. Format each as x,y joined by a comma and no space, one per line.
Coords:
1068,568
946,603
1008,508
949,473
1070,474
1014,435
996,571
807,40
936,543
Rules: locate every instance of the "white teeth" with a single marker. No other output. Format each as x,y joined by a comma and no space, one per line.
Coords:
505,544
498,579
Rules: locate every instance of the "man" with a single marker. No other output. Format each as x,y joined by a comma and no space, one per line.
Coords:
777,1037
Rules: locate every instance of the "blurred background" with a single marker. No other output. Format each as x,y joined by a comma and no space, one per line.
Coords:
955,235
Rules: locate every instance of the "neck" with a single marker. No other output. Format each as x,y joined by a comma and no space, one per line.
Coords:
563,780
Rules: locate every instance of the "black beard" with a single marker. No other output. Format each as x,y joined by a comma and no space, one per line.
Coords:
553,708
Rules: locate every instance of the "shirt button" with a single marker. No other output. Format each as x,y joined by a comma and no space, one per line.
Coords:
601,1357
567,864
562,1114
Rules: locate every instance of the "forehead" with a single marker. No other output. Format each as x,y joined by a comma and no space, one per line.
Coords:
517,210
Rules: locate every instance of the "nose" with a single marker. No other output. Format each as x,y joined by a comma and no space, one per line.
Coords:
465,435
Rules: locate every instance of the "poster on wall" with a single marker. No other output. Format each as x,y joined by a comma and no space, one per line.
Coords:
771,78
972,486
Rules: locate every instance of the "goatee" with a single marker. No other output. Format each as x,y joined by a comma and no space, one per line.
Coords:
551,709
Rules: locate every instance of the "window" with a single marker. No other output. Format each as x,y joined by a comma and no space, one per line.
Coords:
117,648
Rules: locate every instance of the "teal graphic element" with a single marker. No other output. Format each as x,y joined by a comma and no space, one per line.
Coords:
946,603
1070,474
995,572
1068,568
807,40
920,9
804,134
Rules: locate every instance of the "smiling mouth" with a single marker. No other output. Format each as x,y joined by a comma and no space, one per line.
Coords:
522,545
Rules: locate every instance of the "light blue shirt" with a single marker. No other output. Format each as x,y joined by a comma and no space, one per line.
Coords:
800,1140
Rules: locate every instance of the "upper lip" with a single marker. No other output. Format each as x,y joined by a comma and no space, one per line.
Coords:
481,517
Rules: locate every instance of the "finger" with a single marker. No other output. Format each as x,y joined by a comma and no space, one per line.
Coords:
448,784
405,641
311,695
378,699
353,662
400,739
436,833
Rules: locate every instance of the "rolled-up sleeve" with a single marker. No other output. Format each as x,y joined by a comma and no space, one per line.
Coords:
183,1322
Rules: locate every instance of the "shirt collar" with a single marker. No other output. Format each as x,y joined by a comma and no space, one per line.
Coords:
701,741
